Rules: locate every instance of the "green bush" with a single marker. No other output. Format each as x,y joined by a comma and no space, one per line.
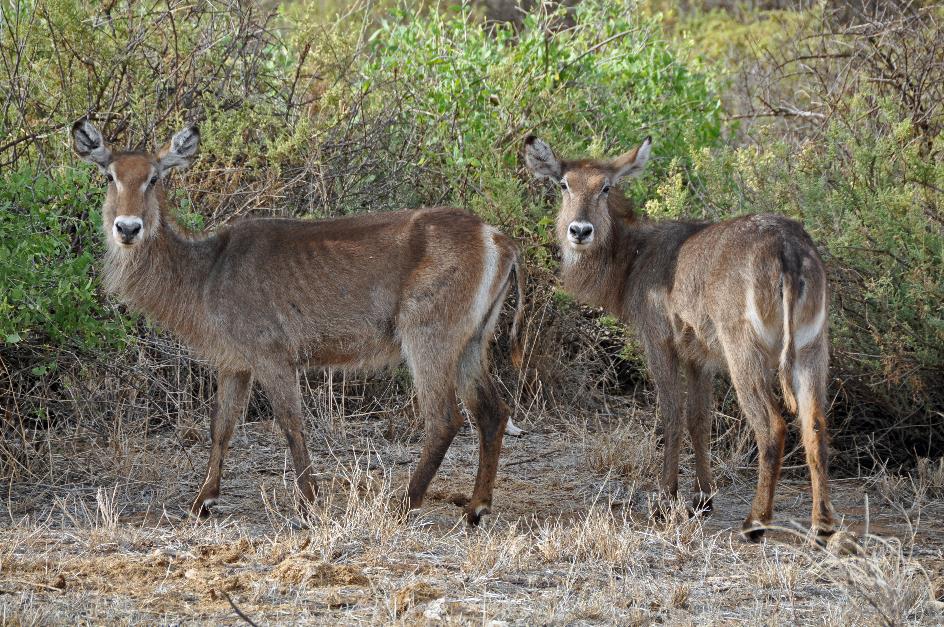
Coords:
141,69
48,290
467,93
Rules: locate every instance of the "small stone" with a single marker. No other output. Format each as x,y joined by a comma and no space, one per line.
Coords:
435,609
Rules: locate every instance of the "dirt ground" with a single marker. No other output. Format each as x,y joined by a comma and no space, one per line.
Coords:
573,539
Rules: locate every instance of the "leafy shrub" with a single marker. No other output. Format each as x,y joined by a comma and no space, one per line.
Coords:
467,94
140,69
48,291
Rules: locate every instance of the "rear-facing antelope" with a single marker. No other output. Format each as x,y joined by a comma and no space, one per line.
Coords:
749,294
264,297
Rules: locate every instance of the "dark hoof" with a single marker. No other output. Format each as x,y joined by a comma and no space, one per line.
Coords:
754,535
825,534
753,531
474,516
202,511
822,536
514,430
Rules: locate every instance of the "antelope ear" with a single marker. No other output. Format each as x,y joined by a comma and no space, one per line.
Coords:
88,143
180,151
633,162
540,159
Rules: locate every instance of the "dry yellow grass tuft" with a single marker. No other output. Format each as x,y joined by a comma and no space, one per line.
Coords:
306,570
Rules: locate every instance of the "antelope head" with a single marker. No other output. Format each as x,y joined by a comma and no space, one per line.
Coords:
584,221
132,210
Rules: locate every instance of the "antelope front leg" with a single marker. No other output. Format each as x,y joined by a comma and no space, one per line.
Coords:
232,395
663,363
698,417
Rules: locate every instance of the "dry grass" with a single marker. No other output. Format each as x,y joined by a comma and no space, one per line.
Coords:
95,529
96,532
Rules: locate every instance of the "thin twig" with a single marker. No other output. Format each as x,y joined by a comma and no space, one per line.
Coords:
44,586
596,47
298,73
238,611
525,461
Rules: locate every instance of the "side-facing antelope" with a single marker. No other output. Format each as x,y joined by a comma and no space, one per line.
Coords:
264,297
749,294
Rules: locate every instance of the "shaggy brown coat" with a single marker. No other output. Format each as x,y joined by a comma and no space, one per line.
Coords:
748,294
264,297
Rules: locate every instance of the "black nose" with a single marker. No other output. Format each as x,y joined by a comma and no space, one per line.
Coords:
127,230
580,231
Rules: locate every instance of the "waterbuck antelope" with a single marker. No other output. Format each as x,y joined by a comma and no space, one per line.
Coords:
749,294
264,297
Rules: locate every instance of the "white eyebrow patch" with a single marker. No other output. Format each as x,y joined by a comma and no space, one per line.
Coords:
147,181
114,177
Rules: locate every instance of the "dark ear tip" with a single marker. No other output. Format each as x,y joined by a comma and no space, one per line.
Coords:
79,123
648,139
530,139
195,129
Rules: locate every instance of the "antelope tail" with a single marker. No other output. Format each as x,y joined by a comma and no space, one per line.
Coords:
788,353
517,326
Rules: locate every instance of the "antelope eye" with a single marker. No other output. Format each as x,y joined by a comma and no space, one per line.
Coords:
109,177
152,181
606,189
563,184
